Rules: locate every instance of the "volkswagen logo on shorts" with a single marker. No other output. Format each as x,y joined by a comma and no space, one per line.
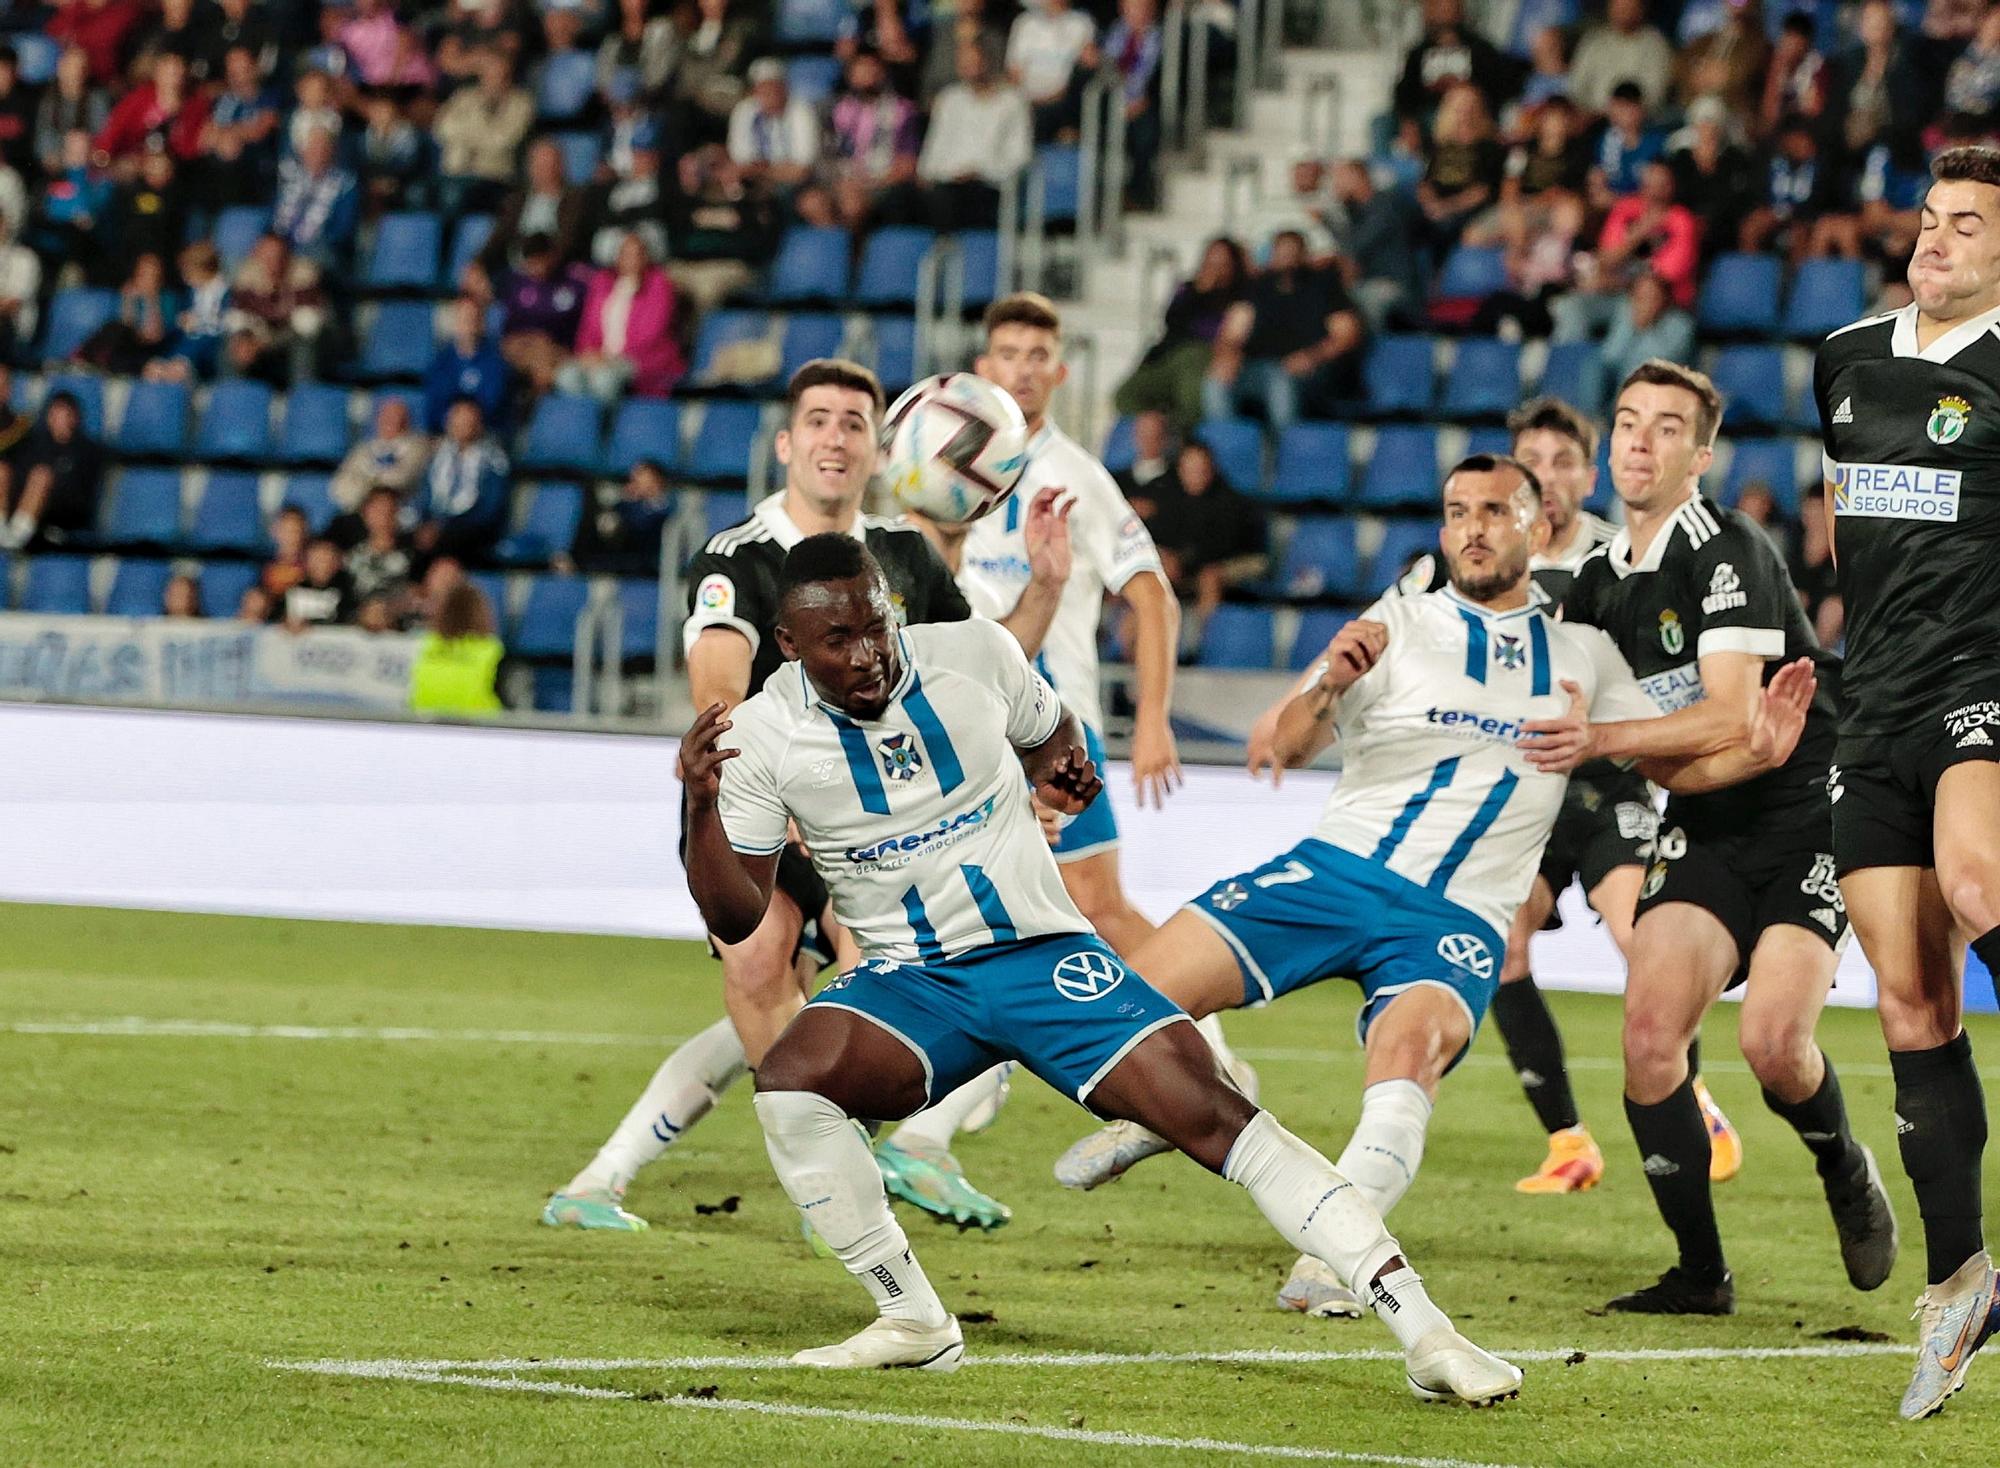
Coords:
1085,976
1463,950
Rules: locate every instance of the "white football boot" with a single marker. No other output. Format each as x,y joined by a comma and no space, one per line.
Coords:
892,1343
1446,1367
1315,1290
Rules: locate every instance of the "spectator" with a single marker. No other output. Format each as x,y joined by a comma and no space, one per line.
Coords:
1376,230
1715,176
958,24
188,29
1646,232
319,204
633,205
165,111
1624,49
1972,86
256,607
98,28
330,58
622,537
1210,537
148,216
239,146
1449,53
196,349
181,597
382,564
1170,378
1548,72
1811,565
144,326
1646,324
1465,168
1625,145
1795,81
626,340
980,137
1540,244
465,506
277,316
1798,210
875,135
542,307
543,204
15,428
641,46
440,576
245,23
1879,91
478,133
290,530
1729,63
17,115
709,81
1133,45
1051,51
385,53
393,456
71,104
324,595
1756,503
564,81
773,136
316,109
469,365
634,124
397,160
721,225
20,290
61,469
1152,459
1305,206
1554,160
458,662
1296,335
75,198
468,30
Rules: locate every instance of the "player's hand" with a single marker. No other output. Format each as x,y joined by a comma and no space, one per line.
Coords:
1046,535
1781,712
1355,649
1051,819
1557,746
1156,762
700,763
1263,752
1071,784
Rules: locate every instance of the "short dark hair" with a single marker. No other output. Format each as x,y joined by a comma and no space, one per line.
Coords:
1024,308
1490,463
463,611
1628,91
1553,415
833,372
830,556
1659,372
1973,163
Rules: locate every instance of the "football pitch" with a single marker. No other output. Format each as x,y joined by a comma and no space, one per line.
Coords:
268,1193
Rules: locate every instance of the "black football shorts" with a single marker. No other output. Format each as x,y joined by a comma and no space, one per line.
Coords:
1884,790
1750,882
1604,824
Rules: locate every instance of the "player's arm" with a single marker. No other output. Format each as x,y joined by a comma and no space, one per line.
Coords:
1061,769
1156,623
718,663
730,884
1306,723
1781,720
1046,535
719,637
1722,719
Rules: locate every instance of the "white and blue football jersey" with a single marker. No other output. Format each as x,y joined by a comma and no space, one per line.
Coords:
1432,783
919,821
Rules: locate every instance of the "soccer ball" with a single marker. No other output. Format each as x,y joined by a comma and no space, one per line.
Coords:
953,448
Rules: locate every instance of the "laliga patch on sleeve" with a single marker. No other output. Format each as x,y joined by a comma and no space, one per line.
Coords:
716,596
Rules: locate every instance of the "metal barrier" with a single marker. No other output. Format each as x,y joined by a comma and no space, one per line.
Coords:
1239,171
1323,137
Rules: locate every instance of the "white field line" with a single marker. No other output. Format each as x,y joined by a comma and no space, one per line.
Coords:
391,1371
138,1027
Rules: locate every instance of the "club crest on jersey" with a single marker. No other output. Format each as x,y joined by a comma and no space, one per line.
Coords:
1673,636
1509,652
900,759
1948,419
1230,896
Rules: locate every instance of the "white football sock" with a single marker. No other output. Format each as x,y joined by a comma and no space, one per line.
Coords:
1313,1206
1239,1070
682,1091
830,1175
931,1130
1387,1147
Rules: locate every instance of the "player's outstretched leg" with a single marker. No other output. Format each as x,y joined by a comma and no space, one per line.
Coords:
917,1162
1168,1082
683,1090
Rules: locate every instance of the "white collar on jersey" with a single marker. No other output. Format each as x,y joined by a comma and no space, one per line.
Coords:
771,513
1903,335
1450,594
809,697
1693,516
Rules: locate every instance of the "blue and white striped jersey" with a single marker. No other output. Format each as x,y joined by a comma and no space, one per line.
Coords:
919,821
1432,784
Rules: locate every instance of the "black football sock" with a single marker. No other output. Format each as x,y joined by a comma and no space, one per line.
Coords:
1694,1057
1673,1148
1821,1122
1941,1129
1535,1050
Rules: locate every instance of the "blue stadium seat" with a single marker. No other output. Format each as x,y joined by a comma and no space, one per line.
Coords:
237,228
1400,376
1401,541
1320,559
1238,637
811,266
1826,295
581,153
639,600
312,493
979,258
1238,446
37,55
725,442
155,421
138,588
808,335
1774,462
145,508
721,509
493,586
400,342
811,22
554,689
1472,272
724,329
813,79
1061,166
896,352
1403,469
316,430
564,85
1752,383
223,584
546,525
404,255
467,240
563,435
1740,296
1485,379
229,516
57,585
1571,374
73,314
644,428
548,621
1317,627
889,261
1119,450
1488,440
237,424
1313,464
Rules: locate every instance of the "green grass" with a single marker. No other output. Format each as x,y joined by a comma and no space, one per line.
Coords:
174,1212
